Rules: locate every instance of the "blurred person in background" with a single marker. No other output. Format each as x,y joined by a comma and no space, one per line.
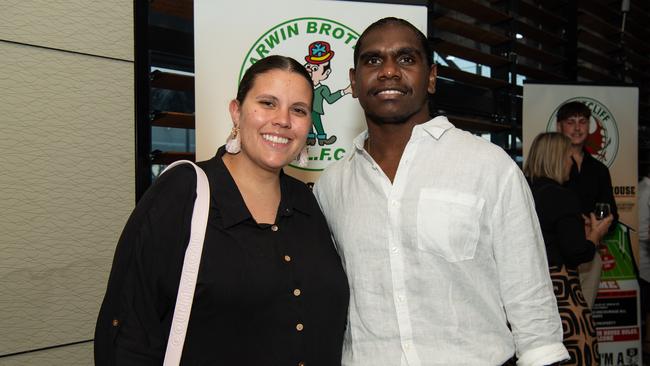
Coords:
569,240
589,179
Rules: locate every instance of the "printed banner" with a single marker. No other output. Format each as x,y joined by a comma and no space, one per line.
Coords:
612,140
230,37
617,311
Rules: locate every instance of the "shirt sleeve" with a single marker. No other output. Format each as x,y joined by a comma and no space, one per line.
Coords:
146,269
524,280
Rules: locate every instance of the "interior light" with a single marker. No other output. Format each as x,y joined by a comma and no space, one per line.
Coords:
519,36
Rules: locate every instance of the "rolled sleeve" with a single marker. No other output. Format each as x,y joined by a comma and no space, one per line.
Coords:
524,280
544,355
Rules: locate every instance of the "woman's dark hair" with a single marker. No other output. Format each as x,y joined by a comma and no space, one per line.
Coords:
424,43
267,64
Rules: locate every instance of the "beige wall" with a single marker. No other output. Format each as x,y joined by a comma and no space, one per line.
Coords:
66,170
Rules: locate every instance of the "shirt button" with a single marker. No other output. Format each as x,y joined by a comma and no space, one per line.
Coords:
274,228
296,292
287,258
300,327
394,250
400,298
406,345
115,322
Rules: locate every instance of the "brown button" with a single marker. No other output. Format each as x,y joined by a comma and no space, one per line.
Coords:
274,228
287,258
115,322
296,292
300,327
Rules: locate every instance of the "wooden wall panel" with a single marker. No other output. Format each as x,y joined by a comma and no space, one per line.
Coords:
66,187
75,355
102,28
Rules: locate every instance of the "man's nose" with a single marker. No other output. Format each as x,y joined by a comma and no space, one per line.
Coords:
390,69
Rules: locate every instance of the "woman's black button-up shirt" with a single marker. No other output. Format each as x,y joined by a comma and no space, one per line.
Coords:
267,294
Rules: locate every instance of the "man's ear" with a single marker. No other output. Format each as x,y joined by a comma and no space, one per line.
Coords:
327,73
352,74
433,74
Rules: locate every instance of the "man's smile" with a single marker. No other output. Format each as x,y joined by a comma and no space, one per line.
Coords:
388,91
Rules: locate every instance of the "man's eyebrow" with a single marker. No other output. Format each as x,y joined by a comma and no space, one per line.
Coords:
368,54
400,51
408,51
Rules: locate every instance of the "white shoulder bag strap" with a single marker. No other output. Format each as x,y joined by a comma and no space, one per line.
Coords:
190,271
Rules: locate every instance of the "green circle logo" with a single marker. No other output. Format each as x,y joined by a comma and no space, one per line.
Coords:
325,47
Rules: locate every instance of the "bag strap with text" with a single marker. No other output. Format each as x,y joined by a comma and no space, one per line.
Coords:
190,271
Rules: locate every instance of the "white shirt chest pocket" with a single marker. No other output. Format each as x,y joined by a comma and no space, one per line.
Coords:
448,223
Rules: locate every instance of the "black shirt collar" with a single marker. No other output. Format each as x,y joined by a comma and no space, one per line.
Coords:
226,196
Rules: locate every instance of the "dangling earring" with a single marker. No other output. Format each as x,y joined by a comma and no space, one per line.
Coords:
233,143
303,157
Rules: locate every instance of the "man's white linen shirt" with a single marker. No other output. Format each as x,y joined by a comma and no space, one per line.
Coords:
440,260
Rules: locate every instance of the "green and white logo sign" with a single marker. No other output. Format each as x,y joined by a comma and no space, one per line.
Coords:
602,141
325,47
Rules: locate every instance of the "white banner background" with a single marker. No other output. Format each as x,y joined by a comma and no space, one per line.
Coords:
226,35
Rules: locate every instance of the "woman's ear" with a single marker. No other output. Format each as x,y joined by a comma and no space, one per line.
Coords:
235,111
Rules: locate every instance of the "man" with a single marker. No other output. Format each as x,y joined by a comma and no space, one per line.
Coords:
589,179
644,225
643,201
436,227
319,68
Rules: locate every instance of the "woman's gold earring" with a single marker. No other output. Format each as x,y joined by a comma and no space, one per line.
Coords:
233,143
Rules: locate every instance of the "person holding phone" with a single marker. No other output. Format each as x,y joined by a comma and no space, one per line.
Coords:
569,241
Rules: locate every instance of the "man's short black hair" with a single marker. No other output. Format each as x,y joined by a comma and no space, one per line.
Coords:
572,109
426,48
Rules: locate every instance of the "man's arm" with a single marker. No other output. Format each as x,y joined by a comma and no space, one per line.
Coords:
524,280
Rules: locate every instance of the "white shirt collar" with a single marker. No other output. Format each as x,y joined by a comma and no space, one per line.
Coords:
435,127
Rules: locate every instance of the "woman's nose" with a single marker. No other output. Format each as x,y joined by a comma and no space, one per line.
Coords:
283,118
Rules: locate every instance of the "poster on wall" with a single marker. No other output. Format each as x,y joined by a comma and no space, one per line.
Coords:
320,34
612,140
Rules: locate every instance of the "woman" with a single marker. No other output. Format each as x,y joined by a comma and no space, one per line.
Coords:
271,289
569,240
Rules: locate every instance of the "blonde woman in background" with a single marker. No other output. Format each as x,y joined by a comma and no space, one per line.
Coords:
570,239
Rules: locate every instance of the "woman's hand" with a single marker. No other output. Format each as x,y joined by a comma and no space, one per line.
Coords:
595,229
